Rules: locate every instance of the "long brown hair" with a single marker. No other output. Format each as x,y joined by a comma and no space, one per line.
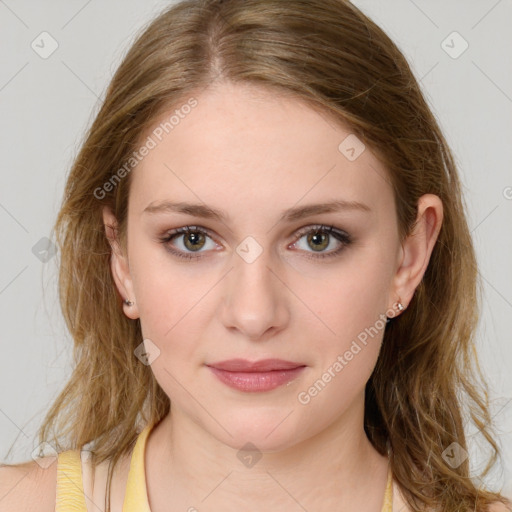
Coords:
426,384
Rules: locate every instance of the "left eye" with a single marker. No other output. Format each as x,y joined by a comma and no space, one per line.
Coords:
194,239
320,238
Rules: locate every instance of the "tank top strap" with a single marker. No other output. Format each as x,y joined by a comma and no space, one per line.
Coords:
136,497
70,493
387,505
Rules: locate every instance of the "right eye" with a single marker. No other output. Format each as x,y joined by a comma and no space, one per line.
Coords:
193,239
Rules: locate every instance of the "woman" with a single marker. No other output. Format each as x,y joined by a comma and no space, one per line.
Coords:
269,278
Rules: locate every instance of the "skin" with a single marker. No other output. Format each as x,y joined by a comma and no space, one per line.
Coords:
254,153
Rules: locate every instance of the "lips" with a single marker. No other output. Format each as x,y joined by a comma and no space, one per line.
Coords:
264,365
256,376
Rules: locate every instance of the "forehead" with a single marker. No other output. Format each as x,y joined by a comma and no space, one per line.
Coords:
247,148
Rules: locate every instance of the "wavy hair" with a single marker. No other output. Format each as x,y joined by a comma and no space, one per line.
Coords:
426,384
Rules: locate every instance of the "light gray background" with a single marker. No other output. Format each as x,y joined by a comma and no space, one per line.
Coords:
46,105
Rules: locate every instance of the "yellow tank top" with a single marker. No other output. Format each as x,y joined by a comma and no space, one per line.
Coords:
70,491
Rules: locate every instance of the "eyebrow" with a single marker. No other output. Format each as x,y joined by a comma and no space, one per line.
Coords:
290,215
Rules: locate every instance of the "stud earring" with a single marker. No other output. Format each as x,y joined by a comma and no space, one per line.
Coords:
400,308
128,302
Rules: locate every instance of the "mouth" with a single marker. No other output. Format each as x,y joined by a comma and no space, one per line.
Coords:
256,376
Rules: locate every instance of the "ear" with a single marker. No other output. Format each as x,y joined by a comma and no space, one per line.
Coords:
119,265
417,248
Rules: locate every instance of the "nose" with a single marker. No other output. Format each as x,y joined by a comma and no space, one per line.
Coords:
255,299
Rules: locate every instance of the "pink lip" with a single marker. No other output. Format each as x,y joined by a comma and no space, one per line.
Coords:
264,365
261,375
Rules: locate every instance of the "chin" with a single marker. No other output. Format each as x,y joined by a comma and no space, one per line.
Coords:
267,432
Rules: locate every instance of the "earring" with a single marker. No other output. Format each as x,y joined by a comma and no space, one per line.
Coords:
399,306
128,302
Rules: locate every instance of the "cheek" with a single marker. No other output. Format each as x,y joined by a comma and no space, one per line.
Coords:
170,316
348,329
165,287
171,309
346,355
347,298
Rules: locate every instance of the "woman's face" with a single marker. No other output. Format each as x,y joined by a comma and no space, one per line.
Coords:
259,280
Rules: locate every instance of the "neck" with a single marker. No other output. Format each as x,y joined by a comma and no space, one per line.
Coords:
338,468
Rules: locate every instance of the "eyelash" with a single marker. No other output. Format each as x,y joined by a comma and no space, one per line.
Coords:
341,236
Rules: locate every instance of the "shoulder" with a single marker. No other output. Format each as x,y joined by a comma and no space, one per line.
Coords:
30,486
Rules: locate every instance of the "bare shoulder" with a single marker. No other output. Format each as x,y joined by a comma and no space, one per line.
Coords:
28,487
